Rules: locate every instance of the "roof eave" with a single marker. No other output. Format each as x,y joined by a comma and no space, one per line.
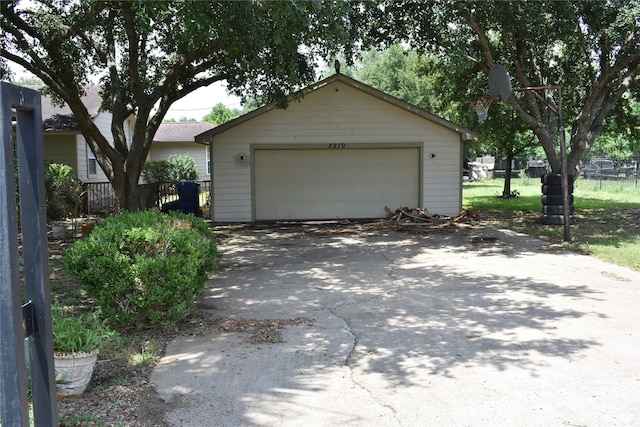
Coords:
465,134
182,141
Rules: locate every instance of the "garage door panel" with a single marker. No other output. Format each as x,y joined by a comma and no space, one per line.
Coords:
323,184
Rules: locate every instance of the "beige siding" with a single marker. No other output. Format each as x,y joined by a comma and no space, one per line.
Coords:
60,149
71,148
83,159
335,114
103,122
163,150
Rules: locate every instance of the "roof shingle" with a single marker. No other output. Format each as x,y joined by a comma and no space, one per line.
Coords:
181,132
55,118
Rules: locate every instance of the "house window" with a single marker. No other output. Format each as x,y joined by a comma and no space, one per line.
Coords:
207,156
91,162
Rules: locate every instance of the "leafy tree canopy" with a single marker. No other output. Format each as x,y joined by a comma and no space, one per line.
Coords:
591,49
220,114
148,54
620,140
27,81
423,80
399,72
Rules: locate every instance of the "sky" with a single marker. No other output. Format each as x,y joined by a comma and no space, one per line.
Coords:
200,102
196,105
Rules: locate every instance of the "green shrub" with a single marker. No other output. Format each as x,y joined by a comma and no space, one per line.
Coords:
180,167
63,191
145,268
184,168
158,171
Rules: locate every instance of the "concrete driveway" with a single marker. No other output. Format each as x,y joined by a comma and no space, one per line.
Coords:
467,327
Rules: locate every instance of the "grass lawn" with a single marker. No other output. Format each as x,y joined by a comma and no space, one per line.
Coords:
607,215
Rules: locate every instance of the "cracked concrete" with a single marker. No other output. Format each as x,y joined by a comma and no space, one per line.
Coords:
410,329
354,341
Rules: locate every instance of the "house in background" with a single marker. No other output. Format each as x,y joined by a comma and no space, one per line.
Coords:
179,139
345,150
64,142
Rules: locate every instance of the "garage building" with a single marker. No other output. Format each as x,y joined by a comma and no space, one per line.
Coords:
344,150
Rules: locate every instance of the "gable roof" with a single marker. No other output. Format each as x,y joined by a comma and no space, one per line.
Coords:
56,118
181,132
465,134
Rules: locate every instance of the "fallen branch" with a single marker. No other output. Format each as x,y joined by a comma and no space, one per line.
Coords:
406,215
458,217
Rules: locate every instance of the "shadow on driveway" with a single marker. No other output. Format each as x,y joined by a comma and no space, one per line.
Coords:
468,326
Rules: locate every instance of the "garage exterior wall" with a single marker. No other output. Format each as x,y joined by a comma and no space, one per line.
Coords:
337,113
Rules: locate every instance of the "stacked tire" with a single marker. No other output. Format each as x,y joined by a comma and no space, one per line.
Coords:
552,205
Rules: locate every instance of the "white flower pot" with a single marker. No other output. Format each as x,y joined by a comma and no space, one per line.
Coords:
73,372
61,230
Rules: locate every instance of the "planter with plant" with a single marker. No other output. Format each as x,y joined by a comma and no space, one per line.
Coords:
63,199
77,341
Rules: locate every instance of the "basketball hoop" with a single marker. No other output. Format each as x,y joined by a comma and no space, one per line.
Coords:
481,106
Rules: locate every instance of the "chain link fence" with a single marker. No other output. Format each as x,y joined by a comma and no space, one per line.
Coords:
602,173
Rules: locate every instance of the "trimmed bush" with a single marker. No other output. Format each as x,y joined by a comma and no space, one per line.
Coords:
179,167
158,171
145,268
184,168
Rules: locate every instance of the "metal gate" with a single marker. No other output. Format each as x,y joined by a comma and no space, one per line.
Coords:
21,107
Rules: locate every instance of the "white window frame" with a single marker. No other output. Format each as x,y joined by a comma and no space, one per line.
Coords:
92,164
207,161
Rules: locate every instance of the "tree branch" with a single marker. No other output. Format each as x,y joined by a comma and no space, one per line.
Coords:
75,29
134,53
484,41
610,102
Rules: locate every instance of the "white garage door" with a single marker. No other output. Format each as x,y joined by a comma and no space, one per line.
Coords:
334,183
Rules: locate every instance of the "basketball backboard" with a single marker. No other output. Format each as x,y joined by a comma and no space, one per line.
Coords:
499,82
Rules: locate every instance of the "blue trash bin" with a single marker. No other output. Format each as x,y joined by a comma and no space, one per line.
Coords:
189,197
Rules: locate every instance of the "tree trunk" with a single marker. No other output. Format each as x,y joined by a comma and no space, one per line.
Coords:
582,139
126,191
127,161
506,190
125,187
131,196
